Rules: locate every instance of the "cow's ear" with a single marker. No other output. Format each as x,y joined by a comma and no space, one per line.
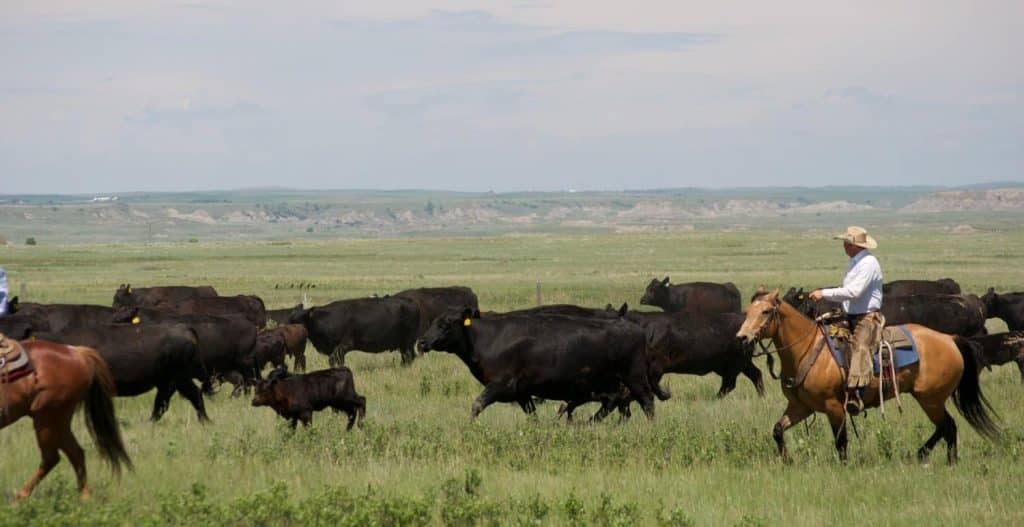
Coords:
991,290
476,313
665,282
623,309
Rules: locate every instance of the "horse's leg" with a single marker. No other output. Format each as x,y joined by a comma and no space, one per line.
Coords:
945,428
795,412
837,420
48,438
754,374
69,445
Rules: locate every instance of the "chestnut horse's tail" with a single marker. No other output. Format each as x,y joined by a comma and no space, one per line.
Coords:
968,397
99,412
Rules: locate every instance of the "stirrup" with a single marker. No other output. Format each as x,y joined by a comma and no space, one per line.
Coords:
854,404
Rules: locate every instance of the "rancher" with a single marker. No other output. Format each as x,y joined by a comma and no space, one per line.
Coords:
861,295
3,292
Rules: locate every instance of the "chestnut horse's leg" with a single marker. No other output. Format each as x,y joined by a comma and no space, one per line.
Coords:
795,412
837,420
48,438
69,445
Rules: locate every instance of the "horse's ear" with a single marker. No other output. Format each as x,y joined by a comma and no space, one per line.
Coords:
761,289
774,295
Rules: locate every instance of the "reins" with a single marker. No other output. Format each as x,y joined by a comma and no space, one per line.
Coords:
775,316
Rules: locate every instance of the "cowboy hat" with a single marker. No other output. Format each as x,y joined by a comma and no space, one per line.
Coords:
857,236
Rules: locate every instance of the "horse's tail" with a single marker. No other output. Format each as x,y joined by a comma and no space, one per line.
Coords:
100,418
968,397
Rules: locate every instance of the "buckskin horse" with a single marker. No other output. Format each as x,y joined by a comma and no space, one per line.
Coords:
54,381
816,383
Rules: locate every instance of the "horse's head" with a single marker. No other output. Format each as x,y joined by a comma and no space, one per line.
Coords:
762,316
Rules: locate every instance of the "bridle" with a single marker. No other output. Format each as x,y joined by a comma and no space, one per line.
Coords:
775,317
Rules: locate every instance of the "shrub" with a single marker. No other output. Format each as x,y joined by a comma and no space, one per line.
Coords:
31,240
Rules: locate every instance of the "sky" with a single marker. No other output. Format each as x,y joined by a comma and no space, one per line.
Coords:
118,95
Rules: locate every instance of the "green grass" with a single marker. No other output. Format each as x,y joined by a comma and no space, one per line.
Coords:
701,462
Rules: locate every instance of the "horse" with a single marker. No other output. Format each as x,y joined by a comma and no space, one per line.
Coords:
947,367
64,377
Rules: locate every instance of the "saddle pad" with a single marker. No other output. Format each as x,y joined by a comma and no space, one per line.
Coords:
904,348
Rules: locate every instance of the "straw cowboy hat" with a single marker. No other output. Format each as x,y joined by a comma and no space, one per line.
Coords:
857,236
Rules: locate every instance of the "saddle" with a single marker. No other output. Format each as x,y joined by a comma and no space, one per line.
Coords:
14,360
896,346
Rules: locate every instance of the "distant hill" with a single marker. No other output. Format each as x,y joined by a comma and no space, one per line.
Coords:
285,213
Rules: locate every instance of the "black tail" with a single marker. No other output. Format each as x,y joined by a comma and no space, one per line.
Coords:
968,397
100,418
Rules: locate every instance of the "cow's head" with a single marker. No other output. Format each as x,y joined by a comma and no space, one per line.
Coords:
991,301
762,316
446,331
124,315
263,390
299,315
656,293
123,297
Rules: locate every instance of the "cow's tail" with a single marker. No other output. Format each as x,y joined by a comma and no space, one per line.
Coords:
100,418
968,397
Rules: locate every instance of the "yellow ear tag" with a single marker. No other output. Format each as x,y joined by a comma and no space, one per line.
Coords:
801,297
136,320
467,323
31,338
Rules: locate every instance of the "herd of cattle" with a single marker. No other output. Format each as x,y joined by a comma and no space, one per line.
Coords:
169,337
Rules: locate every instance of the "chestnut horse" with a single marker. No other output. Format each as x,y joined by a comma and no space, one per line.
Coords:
63,378
947,367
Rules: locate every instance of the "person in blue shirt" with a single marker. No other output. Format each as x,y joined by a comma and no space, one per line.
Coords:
861,295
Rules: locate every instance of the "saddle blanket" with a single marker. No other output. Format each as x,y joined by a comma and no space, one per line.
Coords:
14,366
904,348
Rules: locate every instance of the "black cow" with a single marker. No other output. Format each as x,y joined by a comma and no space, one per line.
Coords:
571,310
20,326
55,318
225,342
269,348
1000,348
698,344
296,397
942,286
146,356
371,325
126,296
962,315
249,306
279,316
572,359
1007,306
436,301
693,297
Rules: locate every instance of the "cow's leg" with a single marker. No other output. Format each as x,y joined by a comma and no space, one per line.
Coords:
408,354
337,357
162,401
194,396
567,409
754,374
307,418
294,422
300,360
728,383
795,412
529,408
485,399
607,407
640,390
1020,366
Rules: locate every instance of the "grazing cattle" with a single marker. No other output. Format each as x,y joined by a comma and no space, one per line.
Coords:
269,348
58,317
296,397
693,297
249,306
146,356
572,359
943,286
295,337
278,316
371,325
21,327
436,301
568,310
698,345
126,296
1000,348
225,342
962,315
1007,306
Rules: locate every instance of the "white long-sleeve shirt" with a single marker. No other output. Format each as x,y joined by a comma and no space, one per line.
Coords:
862,286
3,292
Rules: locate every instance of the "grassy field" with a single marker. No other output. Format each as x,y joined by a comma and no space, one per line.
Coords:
419,459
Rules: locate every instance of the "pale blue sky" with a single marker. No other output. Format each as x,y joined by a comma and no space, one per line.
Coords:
124,95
